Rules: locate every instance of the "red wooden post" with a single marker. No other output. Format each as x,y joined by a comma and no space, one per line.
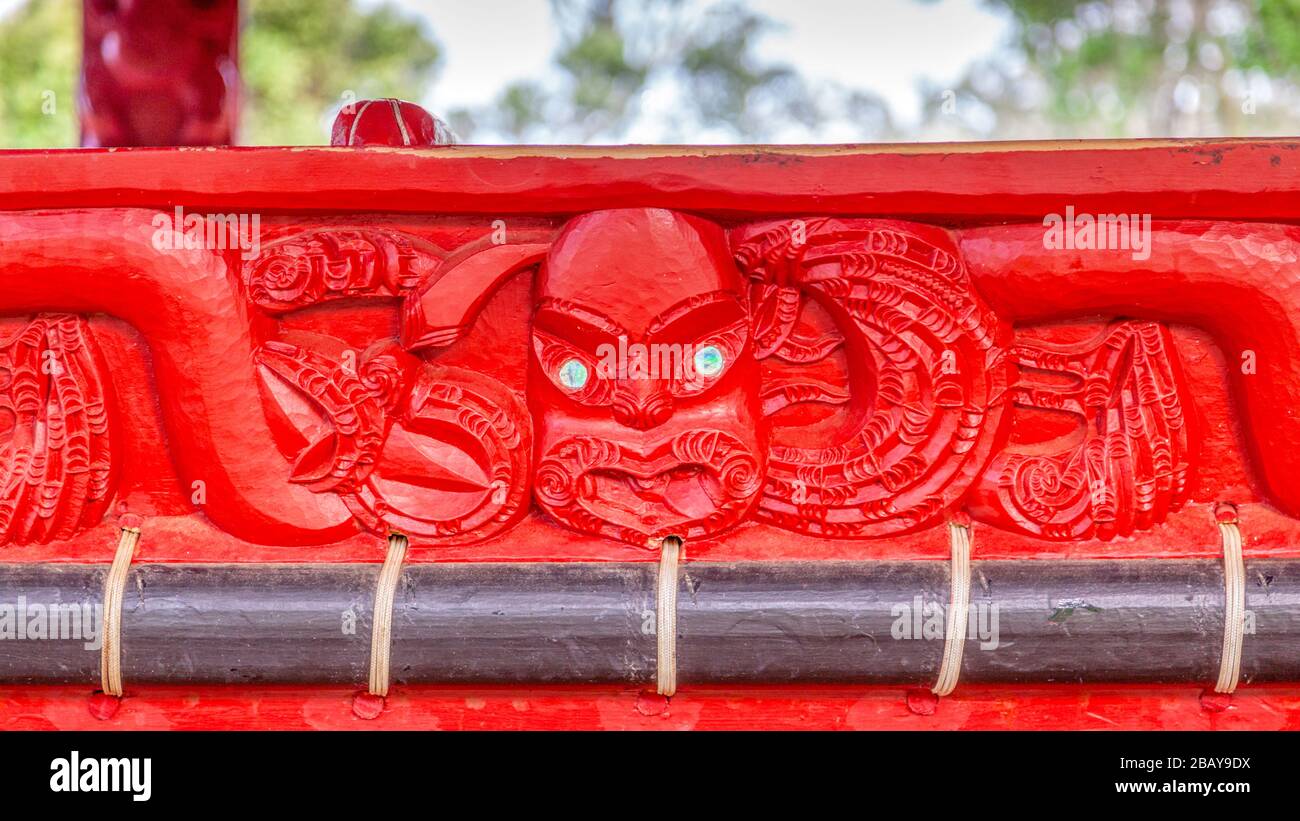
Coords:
159,72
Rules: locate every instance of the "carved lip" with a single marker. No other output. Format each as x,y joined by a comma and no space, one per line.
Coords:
651,501
694,484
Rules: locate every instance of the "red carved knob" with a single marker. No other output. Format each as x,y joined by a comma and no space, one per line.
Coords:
388,122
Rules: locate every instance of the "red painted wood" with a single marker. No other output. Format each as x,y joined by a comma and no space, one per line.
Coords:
589,708
388,122
871,341
159,73
386,446
961,183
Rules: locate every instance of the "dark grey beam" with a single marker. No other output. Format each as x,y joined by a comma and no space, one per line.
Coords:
848,622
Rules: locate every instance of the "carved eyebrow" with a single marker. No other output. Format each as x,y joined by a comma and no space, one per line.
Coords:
713,302
570,321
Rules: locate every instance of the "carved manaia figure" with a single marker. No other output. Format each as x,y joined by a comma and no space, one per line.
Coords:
837,377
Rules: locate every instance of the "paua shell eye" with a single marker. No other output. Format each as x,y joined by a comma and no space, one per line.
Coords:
573,375
709,361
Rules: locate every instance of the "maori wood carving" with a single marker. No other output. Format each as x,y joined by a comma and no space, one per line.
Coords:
1129,468
56,443
625,374
159,72
317,266
925,371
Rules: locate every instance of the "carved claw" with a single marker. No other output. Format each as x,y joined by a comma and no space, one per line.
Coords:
1128,467
58,470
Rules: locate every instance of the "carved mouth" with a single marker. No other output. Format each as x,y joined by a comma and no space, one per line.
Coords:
694,484
679,495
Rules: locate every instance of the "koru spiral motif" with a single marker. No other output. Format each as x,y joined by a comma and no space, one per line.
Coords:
856,385
841,378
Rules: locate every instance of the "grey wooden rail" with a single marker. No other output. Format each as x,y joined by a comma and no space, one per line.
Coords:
1031,621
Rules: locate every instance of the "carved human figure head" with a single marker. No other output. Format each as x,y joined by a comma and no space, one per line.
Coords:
840,378
643,387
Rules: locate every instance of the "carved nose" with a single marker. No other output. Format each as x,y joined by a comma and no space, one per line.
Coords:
641,407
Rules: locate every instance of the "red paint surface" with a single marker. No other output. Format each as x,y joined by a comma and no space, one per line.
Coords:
102,706
274,399
158,72
1172,707
958,183
368,706
392,356
387,122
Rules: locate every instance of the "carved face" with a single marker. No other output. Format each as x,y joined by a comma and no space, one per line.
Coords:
840,378
643,384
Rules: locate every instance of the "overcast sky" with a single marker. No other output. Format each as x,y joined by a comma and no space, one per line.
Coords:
885,46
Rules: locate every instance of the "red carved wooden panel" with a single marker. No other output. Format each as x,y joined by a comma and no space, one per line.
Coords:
275,355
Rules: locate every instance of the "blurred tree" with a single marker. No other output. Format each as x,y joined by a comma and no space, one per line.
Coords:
1131,68
300,59
696,61
40,55
1274,44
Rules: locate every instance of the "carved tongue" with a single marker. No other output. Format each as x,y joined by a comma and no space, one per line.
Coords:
685,495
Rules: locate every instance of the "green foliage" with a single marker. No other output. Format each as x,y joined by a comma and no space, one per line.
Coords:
1073,68
613,51
604,81
1116,68
40,55
300,58
723,74
1275,43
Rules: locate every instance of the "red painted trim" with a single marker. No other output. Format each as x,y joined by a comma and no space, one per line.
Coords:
1188,534
966,183
595,708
